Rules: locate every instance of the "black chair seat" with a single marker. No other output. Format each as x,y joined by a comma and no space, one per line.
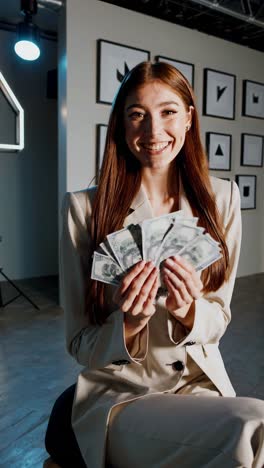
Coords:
60,440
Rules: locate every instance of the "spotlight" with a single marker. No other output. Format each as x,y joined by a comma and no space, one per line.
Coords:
27,43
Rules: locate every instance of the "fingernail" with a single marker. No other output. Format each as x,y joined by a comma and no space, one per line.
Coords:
166,270
169,261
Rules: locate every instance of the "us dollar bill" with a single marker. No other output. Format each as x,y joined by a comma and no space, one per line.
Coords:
105,269
176,239
201,252
125,247
153,232
106,249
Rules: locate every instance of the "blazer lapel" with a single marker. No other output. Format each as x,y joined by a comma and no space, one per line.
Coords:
140,209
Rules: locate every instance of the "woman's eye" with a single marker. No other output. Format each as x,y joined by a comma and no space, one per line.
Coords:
169,112
136,115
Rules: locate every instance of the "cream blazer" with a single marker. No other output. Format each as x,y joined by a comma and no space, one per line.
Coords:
111,374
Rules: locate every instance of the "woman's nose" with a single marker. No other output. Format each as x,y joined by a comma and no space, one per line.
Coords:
152,125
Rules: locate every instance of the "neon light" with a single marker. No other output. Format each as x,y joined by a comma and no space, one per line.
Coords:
19,117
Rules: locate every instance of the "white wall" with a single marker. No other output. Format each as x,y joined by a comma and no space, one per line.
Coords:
89,20
28,179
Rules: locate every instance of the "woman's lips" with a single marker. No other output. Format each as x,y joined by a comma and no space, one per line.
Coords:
155,147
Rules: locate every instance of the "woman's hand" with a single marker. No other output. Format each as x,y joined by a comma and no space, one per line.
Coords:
136,293
184,286
135,297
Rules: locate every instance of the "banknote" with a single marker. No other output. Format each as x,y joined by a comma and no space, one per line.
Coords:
124,244
154,239
201,251
105,269
177,238
106,249
153,232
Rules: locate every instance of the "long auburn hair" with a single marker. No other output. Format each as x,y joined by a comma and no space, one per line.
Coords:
120,180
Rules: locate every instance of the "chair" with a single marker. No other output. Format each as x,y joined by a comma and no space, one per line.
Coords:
60,440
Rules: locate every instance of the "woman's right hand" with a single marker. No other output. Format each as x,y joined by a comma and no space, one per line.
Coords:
136,293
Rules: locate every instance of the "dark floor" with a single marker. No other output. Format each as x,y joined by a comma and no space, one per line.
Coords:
35,368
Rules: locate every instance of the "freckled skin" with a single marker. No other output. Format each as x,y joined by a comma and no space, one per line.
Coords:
155,124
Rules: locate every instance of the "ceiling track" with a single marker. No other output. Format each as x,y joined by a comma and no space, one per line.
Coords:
227,11
50,3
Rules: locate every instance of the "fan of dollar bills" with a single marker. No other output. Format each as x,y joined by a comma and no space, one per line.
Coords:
154,239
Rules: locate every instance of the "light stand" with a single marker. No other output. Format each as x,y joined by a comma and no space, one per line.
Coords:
18,295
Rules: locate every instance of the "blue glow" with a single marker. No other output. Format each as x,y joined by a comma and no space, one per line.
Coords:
27,50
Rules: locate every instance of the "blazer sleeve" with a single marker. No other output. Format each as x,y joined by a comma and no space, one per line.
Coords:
212,311
93,346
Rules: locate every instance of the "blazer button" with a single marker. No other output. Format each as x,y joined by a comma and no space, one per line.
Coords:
121,362
178,365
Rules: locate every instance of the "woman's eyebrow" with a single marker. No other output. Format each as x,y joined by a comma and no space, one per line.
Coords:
161,104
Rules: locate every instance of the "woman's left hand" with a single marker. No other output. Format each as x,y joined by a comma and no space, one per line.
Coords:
183,284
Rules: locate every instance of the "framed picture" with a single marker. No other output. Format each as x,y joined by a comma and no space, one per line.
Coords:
247,186
218,146
219,94
253,99
101,130
251,150
113,62
187,69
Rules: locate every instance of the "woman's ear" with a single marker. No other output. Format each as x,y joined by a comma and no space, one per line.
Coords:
189,118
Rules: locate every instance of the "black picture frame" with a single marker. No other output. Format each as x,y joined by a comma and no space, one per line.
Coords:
252,150
186,68
219,94
219,149
247,185
253,99
114,60
101,130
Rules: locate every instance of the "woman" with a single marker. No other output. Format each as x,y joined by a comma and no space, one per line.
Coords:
152,368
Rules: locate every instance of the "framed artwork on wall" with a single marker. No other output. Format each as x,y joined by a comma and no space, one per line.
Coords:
187,69
252,150
247,186
219,94
113,62
253,99
101,130
218,146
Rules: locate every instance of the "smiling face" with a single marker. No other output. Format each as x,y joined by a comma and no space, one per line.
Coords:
155,119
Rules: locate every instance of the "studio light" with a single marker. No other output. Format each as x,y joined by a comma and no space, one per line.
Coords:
27,43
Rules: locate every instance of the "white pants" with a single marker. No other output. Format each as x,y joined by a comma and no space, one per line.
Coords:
187,431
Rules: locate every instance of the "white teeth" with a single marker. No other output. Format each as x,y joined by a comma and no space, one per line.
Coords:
156,146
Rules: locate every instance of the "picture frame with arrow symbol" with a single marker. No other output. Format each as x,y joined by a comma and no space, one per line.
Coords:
219,94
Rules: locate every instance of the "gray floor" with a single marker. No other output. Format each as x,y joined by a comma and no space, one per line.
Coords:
35,368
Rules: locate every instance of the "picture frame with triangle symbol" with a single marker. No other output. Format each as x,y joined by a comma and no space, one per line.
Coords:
218,147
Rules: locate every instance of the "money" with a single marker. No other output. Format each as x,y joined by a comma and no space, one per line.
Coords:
178,237
201,252
154,239
153,232
125,244
105,269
